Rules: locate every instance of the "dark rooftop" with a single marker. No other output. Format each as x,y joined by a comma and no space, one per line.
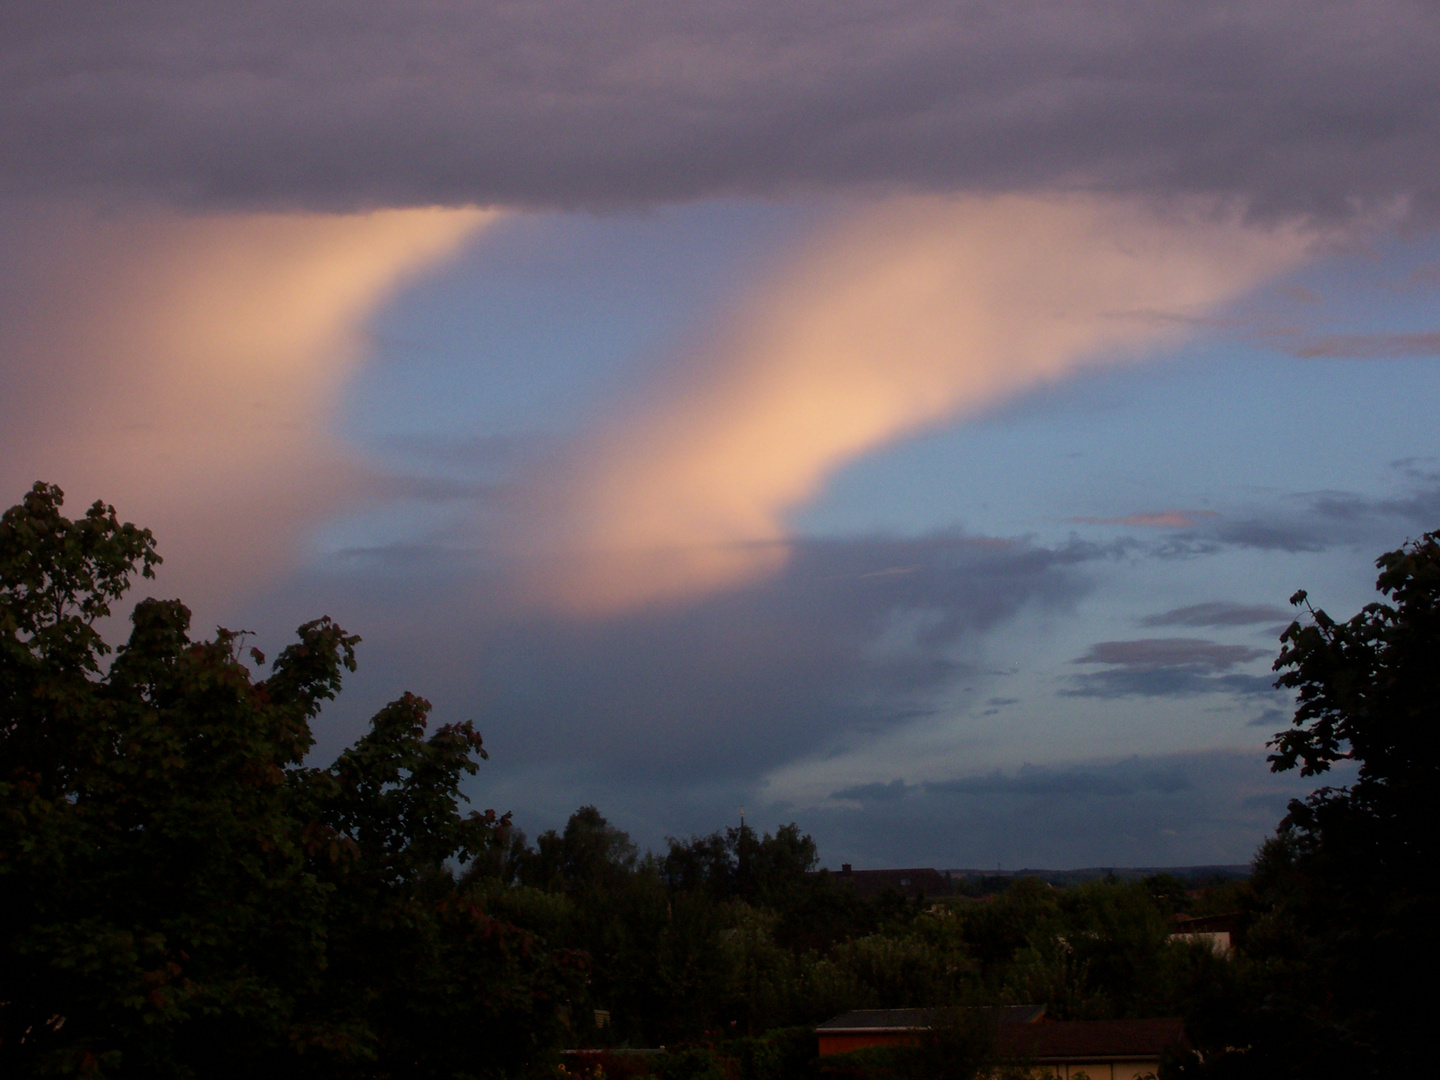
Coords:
1090,1040
1022,1032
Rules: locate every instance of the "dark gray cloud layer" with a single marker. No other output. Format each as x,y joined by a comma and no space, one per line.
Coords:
1296,107
718,691
737,684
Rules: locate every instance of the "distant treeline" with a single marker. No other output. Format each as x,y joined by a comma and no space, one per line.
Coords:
734,934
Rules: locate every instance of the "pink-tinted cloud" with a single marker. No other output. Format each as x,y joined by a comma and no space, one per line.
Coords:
911,313
184,367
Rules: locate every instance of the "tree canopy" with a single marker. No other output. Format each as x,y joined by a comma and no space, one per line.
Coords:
180,894
1351,919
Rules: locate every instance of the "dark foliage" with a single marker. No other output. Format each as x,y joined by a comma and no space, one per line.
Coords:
1342,935
180,895
1347,872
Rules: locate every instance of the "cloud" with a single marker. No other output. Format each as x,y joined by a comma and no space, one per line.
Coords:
1271,718
1167,667
717,691
912,313
1219,613
1313,521
1294,107
1165,682
1165,519
184,367
1169,652
1273,803
1422,278
1419,508
1083,780
1275,534
1369,346
870,793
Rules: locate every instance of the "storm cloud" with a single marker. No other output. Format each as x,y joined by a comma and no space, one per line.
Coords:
1309,108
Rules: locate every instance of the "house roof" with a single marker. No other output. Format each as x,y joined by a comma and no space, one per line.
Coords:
869,1021
1090,1040
1021,1032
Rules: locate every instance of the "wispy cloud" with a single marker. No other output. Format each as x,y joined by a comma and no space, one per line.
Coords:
184,368
1311,521
1368,346
912,313
1167,667
1169,652
1219,613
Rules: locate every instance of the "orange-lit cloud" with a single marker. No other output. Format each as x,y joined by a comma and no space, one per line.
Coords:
184,367
913,313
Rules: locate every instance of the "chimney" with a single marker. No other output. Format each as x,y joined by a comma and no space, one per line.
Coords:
845,868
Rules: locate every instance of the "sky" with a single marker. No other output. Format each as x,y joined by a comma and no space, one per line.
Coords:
906,419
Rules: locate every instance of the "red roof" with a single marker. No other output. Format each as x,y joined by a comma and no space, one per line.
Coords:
1089,1040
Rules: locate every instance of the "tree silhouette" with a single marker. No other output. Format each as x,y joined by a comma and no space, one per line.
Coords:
1348,871
181,895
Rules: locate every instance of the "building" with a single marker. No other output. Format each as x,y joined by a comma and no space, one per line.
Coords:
1101,1049
1217,931
887,1027
1064,1049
